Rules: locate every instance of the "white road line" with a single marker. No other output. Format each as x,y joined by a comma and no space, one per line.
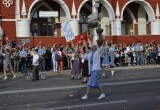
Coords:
86,105
135,73
61,78
77,86
158,97
135,67
73,106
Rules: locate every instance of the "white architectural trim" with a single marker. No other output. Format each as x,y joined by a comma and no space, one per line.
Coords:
156,29
38,6
61,2
146,6
142,27
17,10
105,3
23,10
1,33
23,28
116,27
73,9
8,20
157,11
117,10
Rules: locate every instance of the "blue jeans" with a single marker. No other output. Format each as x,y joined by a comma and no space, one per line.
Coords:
23,65
143,58
112,55
69,62
42,64
138,56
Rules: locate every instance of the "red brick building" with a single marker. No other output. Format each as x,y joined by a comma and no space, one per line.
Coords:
122,20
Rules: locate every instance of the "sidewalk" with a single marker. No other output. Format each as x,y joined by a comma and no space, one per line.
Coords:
67,72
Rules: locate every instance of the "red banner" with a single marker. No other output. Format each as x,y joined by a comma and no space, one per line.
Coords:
80,38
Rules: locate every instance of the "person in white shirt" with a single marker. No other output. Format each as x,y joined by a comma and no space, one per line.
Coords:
35,63
134,54
129,54
54,61
94,69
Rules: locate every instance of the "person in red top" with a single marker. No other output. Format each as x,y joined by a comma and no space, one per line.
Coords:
60,61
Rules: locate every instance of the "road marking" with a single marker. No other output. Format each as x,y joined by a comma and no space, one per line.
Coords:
135,73
135,67
72,106
86,105
61,78
78,86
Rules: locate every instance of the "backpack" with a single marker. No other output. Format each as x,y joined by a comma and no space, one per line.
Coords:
57,57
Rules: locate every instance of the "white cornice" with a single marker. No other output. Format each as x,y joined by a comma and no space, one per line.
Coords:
8,19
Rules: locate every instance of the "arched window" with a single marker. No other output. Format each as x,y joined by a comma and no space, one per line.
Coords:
84,13
42,26
127,24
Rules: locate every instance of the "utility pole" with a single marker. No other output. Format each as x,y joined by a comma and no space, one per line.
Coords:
95,10
1,30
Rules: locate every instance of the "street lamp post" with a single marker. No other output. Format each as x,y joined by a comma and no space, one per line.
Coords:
95,7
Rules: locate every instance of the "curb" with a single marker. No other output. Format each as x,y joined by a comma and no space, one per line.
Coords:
136,67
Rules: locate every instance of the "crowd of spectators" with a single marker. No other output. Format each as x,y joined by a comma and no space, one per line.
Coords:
60,57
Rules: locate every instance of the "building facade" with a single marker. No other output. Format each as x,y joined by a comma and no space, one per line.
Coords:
121,20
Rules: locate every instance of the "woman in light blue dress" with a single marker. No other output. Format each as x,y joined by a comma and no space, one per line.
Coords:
94,70
93,80
105,62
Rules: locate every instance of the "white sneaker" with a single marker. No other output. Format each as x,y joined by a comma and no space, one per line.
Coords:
14,77
103,75
84,97
112,72
5,78
102,96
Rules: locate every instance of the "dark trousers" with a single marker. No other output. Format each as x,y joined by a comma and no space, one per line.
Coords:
35,73
159,60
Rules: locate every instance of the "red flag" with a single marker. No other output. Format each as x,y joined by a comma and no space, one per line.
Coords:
81,38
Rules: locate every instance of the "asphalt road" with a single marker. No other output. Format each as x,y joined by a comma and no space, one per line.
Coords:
129,89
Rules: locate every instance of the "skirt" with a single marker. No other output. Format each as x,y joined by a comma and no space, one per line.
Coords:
85,71
105,61
7,66
94,79
76,68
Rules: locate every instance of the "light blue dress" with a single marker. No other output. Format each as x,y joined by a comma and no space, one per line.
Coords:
106,58
94,78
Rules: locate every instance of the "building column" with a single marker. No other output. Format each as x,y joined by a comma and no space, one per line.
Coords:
23,28
22,24
94,10
155,27
75,26
116,27
1,31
